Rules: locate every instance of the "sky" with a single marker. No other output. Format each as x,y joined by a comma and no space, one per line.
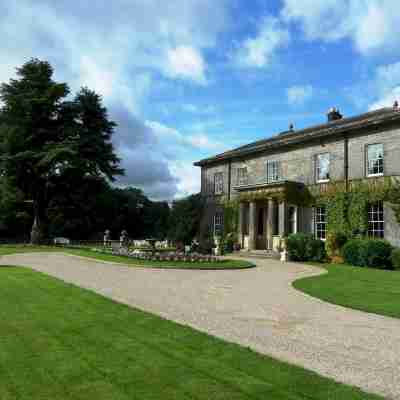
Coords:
187,79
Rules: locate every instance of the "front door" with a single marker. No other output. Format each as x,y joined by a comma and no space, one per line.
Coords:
261,228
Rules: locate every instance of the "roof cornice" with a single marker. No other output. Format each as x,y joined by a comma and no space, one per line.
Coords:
360,122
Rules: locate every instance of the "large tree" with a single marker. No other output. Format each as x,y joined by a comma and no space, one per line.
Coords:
47,140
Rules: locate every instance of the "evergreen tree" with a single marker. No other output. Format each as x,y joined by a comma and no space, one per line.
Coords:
46,140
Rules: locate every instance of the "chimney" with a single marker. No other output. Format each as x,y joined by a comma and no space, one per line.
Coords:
334,114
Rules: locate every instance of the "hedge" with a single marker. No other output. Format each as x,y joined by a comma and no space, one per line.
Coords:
368,253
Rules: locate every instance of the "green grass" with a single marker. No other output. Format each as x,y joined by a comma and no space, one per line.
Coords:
372,290
58,341
224,264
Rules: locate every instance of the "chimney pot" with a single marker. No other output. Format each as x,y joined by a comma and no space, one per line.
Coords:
334,114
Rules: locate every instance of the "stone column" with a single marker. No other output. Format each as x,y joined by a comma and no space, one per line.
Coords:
270,223
241,223
282,218
252,225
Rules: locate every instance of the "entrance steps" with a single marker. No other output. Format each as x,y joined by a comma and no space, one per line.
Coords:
258,254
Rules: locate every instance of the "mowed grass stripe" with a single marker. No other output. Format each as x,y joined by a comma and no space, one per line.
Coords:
366,289
108,350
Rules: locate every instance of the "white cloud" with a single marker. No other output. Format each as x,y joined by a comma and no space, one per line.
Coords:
372,25
185,62
120,61
387,86
174,137
188,177
299,94
258,51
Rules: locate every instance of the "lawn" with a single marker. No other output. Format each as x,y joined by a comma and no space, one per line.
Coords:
59,342
224,264
372,290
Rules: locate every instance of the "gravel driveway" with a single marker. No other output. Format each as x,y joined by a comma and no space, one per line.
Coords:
254,307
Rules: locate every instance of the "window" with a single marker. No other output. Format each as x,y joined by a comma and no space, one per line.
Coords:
375,159
273,173
376,221
242,176
320,223
218,183
322,167
218,224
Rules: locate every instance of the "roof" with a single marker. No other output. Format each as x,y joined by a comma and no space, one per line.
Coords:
372,118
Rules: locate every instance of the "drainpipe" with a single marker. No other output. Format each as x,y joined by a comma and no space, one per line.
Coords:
346,162
229,179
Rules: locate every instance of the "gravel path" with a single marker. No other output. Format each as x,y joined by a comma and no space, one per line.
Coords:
254,307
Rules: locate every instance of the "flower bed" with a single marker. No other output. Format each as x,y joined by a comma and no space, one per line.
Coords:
159,256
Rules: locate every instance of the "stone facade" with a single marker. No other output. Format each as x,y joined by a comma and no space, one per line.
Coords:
264,221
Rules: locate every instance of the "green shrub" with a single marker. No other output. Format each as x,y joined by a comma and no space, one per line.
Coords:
297,246
376,253
351,252
368,253
303,247
395,258
315,250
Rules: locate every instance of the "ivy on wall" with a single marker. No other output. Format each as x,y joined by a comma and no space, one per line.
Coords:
347,208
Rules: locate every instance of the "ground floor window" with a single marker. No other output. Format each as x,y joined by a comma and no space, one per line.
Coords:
218,223
320,223
376,221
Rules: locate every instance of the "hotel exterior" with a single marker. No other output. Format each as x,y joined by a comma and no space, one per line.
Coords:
274,182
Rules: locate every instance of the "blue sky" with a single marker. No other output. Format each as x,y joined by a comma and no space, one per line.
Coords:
186,79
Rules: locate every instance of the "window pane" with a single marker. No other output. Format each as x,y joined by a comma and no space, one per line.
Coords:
323,161
375,159
218,183
242,176
376,223
273,168
320,223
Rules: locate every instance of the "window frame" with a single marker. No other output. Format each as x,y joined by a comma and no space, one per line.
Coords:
218,221
376,217
317,168
277,176
218,183
367,173
320,223
244,179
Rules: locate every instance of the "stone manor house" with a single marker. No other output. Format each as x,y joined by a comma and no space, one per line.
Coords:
343,150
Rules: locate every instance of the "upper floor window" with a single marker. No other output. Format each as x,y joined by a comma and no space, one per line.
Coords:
322,163
273,171
218,183
376,223
242,178
375,159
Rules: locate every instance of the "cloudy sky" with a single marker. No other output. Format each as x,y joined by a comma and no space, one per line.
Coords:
185,79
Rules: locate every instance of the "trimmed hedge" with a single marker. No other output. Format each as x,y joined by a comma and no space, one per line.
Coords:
368,253
303,247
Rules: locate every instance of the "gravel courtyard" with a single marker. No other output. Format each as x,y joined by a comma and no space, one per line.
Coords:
254,307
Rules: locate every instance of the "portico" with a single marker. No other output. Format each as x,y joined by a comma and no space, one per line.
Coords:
266,216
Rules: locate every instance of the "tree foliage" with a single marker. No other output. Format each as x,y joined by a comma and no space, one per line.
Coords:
185,218
48,141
